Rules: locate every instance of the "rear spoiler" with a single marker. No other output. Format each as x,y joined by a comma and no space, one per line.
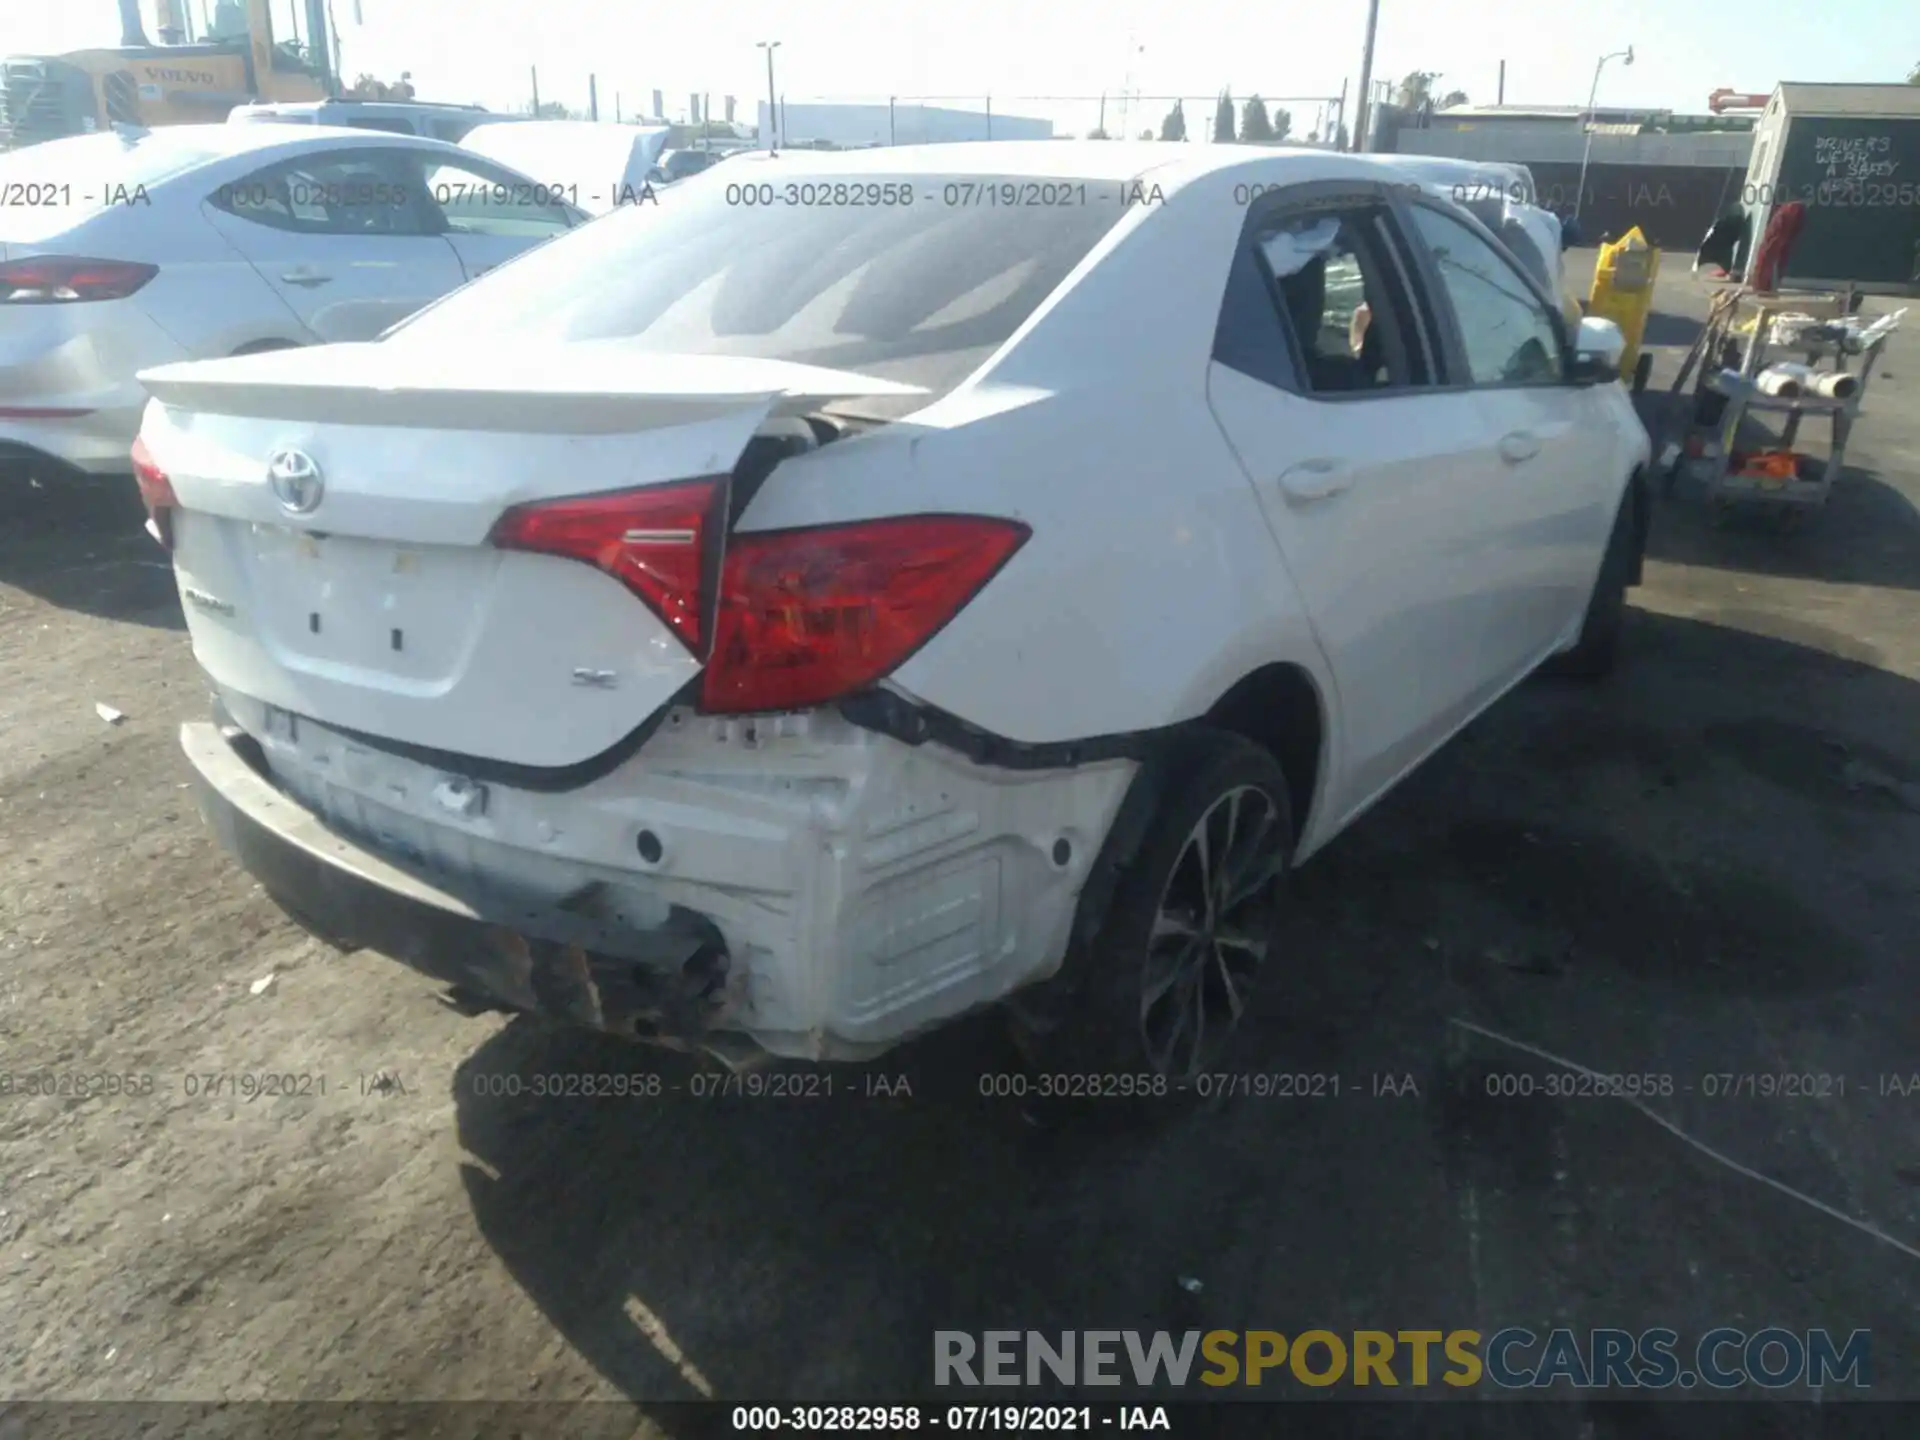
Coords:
588,387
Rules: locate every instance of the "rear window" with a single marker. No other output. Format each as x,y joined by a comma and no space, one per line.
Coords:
919,292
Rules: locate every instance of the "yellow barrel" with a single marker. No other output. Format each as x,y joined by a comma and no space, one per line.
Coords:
1623,290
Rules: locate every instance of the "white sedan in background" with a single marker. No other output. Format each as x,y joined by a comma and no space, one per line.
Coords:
971,573
122,250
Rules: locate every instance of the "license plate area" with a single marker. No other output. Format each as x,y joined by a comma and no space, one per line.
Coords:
342,603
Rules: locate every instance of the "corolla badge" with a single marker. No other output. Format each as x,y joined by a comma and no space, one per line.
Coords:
296,480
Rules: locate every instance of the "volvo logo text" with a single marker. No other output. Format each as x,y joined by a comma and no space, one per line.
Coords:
296,481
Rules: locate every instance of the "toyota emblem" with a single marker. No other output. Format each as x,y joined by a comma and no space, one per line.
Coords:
296,481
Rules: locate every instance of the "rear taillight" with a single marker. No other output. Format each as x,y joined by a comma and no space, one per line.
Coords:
798,617
652,541
806,616
64,279
156,492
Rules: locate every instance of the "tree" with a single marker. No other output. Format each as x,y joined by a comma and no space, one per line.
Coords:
1452,98
1255,127
1146,134
1174,127
1413,89
550,110
1341,139
1913,76
1098,133
1223,119
1282,123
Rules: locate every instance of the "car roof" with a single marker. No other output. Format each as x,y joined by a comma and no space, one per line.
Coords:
224,140
1169,163
351,102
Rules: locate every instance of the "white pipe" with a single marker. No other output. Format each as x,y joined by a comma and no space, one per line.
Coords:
1779,380
1788,378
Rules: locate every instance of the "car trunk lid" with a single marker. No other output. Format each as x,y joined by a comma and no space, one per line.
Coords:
332,542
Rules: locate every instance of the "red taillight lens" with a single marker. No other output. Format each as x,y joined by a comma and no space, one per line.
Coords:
63,279
156,491
806,616
650,540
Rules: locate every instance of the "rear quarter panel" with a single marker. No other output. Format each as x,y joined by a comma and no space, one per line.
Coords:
1150,584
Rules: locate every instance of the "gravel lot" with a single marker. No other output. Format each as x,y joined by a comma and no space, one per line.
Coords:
1703,867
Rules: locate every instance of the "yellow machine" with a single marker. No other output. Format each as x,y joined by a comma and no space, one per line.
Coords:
171,83
1623,290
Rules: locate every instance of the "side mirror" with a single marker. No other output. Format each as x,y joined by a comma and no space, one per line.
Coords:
1597,348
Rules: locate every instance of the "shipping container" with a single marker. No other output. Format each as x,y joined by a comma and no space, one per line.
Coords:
1851,155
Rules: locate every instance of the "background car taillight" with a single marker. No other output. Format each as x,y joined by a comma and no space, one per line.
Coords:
156,492
805,616
65,279
792,618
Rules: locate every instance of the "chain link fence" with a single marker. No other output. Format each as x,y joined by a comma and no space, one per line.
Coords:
858,120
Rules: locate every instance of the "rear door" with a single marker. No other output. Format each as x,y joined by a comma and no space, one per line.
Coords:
1370,473
1548,494
489,214
344,237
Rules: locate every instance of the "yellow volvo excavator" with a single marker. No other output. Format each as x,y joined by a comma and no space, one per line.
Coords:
180,80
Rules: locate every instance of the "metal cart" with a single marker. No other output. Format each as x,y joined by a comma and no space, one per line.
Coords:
1726,393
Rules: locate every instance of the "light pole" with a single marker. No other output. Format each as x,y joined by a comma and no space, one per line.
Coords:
1361,116
1580,190
773,113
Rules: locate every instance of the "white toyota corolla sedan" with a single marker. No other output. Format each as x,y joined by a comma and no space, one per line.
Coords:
127,249
867,587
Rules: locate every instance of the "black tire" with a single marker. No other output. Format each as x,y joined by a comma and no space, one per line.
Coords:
1093,1032
1598,649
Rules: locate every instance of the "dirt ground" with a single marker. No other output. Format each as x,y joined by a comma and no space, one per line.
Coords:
1702,867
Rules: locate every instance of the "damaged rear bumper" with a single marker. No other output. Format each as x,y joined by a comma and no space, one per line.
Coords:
815,890
660,984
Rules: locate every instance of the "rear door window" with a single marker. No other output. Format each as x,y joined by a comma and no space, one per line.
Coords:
341,192
1332,293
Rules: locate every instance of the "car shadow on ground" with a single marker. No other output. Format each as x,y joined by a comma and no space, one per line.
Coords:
79,542
1867,533
1536,878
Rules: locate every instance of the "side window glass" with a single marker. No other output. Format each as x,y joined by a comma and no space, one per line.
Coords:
1335,294
1510,337
351,193
485,202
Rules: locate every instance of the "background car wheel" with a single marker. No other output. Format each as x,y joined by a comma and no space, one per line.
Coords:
1598,648
1153,999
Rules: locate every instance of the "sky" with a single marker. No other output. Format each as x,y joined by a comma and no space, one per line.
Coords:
1015,50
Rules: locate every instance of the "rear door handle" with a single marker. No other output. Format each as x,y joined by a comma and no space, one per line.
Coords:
1315,479
307,279
1518,447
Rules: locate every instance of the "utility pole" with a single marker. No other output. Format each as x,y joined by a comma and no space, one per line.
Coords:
1363,111
534,70
892,141
593,97
773,111
1500,95
1101,128
989,117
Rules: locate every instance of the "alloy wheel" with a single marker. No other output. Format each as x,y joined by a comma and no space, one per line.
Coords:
1211,931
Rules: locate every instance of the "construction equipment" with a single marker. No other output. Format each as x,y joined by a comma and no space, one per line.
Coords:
141,83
